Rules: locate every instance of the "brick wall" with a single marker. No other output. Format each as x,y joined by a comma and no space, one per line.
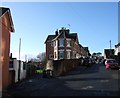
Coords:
61,67
11,77
5,50
49,50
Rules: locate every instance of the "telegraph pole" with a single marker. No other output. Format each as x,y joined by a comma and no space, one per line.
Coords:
19,59
19,47
25,58
110,50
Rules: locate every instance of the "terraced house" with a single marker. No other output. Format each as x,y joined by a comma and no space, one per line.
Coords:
64,45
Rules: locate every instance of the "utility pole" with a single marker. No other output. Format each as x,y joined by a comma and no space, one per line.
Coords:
19,59
25,58
19,47
110,50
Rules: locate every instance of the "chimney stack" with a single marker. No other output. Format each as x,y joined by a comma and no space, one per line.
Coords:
56,32
10,55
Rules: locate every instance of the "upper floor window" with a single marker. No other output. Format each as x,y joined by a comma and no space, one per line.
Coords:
68,42
61,42
52,43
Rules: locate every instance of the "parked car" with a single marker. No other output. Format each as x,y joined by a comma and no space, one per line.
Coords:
111,63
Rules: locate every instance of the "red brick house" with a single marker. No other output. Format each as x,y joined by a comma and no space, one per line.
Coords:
108,53
64,45
6,27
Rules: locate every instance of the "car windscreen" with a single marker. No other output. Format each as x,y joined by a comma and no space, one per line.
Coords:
111,61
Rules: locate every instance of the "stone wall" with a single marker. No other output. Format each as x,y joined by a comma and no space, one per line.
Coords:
61,67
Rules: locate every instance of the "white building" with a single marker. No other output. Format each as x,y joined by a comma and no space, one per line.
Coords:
14,65
117,49
18,68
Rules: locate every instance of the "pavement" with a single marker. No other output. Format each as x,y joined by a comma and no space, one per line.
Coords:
82,81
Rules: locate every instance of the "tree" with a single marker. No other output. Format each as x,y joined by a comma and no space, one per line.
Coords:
41,56
99,54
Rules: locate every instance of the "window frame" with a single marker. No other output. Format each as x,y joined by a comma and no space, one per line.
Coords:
59,41
61,51
52,43
68,41
68,51
50,56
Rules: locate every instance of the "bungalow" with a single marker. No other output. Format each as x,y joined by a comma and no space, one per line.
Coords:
6,27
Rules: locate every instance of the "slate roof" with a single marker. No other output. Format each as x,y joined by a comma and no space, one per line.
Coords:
68,35
50,37
73,35
3,10
117,45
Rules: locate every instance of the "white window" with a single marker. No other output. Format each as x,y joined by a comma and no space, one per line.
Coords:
68,54
61,54
61,42
68,42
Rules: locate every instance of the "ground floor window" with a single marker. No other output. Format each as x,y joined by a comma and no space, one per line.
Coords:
51,56
68,54
61,54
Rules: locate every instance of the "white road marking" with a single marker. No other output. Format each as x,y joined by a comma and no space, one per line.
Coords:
88,87
104,80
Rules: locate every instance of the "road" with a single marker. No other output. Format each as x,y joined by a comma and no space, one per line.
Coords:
82,81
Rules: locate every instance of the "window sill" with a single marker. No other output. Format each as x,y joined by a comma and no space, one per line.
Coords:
61,46
68,46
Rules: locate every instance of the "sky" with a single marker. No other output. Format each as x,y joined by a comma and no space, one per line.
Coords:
96,23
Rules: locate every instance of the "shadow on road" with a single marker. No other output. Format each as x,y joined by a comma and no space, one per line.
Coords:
83,79
69,85
85,70
57,87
